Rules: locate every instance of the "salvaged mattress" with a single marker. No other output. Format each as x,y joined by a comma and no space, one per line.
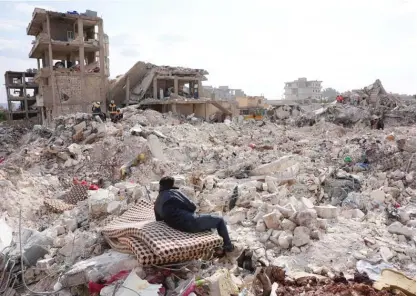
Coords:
77,193
154,242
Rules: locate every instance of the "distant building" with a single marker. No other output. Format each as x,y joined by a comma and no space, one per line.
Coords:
21,92
302,89
222,93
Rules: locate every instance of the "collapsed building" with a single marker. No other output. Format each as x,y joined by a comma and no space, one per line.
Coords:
167,89
72,56
358,108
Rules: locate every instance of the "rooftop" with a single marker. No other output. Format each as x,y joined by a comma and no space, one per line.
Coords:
39,16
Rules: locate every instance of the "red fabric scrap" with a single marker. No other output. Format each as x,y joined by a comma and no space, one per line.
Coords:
93,187
96,287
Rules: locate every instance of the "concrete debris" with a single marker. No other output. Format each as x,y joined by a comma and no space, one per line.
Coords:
325,195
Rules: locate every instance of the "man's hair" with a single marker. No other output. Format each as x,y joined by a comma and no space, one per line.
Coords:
166,183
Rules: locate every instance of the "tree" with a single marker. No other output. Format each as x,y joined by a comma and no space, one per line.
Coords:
329,93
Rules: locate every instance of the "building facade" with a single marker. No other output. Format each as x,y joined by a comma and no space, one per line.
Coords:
302,89
222,92
73,66
21,92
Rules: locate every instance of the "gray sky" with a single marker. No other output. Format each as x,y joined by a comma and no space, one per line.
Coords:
253,45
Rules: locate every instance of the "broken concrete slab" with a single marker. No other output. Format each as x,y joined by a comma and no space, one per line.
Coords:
327,212
398,228
98,200
95,268
155,147
301,236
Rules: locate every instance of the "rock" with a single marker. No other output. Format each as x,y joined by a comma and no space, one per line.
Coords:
307,204
301,236
295,250
235,216
265,237
260,226
79,127
386,253
114,207
378,196
70,224
398,228
79,246
155,147
353,214
288,225
327,212
411,223
59,242
275,236
278,165
36,247
305,218
272,220
90,139
45,263
287,213
221,283
99,200
60,230
95,268
322,223
404,216
136,130
271,184
402,238
285,240
316,234
154,186
179,180
75,149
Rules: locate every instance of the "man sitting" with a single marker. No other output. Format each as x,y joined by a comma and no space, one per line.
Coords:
176,210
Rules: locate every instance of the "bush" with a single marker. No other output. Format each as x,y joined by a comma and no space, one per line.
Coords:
3,115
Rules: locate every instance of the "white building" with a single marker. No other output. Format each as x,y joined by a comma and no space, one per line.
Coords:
302,89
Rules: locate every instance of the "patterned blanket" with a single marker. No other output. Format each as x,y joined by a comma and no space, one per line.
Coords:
154,242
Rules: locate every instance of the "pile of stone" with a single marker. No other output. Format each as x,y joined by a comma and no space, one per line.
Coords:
324,195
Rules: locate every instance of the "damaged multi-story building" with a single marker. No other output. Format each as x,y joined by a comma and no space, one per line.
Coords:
302,89
166,88
73,67
21,91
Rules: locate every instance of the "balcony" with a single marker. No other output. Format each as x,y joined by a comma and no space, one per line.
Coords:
60,49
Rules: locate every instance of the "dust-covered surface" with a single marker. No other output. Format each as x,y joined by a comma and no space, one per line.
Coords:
317,199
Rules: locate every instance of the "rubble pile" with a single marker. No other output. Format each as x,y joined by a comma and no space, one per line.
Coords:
319,199
358,109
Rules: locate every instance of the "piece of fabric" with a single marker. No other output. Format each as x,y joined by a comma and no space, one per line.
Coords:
153,243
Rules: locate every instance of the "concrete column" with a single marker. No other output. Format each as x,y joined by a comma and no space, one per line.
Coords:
200,89
176,85
127,90
191,84
101,58
39,64
155,88
50,62
81,48
174,108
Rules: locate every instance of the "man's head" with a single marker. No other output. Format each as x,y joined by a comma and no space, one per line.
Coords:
166,183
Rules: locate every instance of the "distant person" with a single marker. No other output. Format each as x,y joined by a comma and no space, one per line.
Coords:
112,109
176,210
118,116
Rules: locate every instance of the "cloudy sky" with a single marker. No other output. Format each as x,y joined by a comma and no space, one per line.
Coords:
253,45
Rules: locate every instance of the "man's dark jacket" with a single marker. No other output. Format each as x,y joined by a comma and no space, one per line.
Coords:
174,208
